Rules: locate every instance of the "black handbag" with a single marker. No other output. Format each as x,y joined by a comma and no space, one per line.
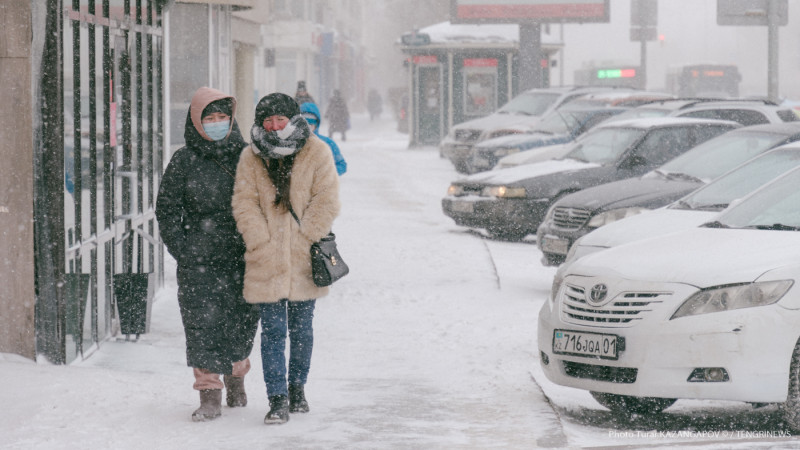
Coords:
327,265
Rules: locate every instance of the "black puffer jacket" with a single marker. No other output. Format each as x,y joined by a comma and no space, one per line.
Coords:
197,226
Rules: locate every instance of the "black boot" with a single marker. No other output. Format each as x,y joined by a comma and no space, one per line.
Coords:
297,399
210,405
278,410
234,391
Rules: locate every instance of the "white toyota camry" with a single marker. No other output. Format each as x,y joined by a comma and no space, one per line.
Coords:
708,313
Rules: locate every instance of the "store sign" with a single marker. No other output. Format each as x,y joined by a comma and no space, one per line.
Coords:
422,60
480,62
517,11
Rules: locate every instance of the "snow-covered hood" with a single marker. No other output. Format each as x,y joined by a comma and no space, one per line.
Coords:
643,192
646,225
521,140
700,257
536,155
496,120
519,173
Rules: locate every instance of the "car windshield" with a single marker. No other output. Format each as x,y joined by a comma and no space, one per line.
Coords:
560,122
739,182
530,104
721,154
774,207
605,145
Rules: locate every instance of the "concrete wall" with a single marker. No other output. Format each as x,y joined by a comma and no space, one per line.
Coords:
17,295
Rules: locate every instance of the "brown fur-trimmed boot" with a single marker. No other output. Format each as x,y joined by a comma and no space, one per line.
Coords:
210,405
234,391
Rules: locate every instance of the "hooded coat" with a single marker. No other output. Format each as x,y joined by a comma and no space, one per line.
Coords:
196,224
278,249
312,109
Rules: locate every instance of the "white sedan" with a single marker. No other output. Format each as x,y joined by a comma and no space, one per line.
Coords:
708,313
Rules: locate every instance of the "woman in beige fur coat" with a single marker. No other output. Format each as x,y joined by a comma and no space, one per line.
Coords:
285,168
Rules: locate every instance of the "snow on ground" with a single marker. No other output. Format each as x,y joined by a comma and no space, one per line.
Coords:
428,343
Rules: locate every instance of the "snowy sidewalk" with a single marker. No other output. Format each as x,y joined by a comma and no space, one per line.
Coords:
428,343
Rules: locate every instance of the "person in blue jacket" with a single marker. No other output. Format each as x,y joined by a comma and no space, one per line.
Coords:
312,115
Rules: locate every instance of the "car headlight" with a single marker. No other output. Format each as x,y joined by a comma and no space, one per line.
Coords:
503,191
455,189
727,298
607,217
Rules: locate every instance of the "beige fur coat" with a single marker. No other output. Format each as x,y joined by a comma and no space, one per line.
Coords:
277,257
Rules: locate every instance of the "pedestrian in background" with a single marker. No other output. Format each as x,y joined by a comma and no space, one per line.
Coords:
374,104
302,95
311,113
338,115
286,197
196,222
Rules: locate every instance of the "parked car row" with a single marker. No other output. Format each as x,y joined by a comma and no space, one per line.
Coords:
521,113
696,305
577,214
511,203
676,225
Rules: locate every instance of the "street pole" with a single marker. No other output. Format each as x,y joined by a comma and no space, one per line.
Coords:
772,52
530,55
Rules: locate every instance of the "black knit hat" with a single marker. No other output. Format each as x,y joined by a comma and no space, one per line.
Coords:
276,104
223,105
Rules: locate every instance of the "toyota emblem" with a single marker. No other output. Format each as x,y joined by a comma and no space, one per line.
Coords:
598,293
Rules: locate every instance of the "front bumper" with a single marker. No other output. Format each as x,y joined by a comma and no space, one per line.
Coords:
754,346
459,153
496,214
555,242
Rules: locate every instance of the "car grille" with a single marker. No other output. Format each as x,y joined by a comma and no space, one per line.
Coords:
570,218
471,190
467,135
601,373
627,307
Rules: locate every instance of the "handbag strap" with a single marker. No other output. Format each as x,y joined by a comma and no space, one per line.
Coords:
291,210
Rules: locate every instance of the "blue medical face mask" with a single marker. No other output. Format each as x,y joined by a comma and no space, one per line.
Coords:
217,130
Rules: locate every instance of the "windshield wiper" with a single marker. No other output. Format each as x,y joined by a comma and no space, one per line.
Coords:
714,224
680,176
775,226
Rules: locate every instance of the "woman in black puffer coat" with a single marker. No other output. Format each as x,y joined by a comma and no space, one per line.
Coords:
197,225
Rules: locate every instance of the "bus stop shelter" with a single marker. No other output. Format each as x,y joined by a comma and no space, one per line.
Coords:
458,72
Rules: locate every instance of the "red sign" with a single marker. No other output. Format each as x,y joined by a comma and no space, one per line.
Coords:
516,11
480,62
424,59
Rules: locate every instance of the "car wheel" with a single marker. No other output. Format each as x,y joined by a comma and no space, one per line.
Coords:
791,408
626,404
550,260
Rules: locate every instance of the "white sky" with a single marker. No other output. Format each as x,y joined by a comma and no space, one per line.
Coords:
428,343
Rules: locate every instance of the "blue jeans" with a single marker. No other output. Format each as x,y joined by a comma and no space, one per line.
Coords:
276,320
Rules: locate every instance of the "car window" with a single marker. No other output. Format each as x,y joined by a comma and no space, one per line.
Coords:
532,104
776,203
605,145
787,115
742,180
663,144
721,154
745,117
558,122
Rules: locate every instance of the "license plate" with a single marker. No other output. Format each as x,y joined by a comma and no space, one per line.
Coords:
464,207
604,346
555,245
